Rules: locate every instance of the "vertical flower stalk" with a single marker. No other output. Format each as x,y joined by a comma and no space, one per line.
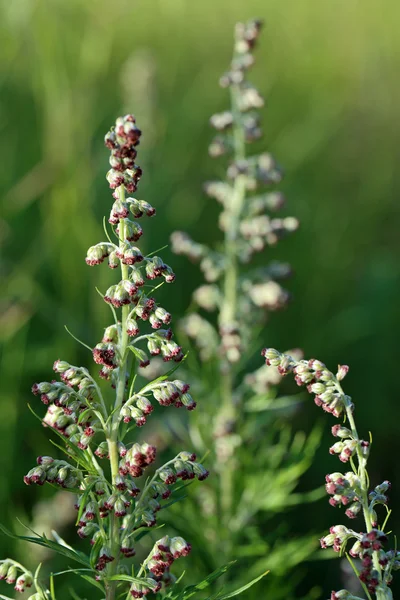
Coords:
350,489
118,498
241,296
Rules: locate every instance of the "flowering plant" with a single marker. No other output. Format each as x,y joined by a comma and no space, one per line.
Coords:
118,496
351,489
251,431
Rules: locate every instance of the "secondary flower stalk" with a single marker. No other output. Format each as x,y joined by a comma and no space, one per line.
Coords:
350,489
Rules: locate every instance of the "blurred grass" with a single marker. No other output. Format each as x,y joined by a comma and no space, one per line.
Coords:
330,71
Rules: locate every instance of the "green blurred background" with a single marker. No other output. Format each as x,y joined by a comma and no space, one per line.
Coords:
330,72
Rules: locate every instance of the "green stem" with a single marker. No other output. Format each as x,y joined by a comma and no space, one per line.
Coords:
112,438
228,314
363,475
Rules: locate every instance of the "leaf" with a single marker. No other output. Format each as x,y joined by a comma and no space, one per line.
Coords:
157,251
84,414
190,591
83,501
74,594
166,375
364,587
130,578
143,531
90,580
75,555
94,553
173,501
243,588
77,339
283,403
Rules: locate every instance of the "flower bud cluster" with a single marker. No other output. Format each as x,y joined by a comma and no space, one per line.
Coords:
349,489
9,570
319,381
166,393
66,401
246,226
53,471
122,141
164,553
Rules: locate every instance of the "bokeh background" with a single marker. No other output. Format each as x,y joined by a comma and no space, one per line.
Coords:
330,73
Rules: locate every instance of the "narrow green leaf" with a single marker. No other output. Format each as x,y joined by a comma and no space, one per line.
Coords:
84,414
167,375
190,591
157,251
83,501
90,580
243,588
364,587
94,553
77,339
79,557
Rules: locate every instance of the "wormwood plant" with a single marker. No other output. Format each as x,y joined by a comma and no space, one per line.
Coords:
119,493
257,459
375,562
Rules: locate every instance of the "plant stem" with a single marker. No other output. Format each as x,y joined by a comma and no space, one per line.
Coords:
112,437
229,310
362,473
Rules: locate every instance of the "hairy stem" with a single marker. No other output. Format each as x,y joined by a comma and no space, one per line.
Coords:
112,438
229,307
363,475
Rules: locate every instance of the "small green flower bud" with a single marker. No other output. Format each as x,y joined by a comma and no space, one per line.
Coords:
97,254
200,471
187,456
341,432
163,315
113,260
188,402
111,334
342,372
4,566
137,277
62,475
147,208
60,366
12,574
144,405
153,346
23,581
318,388
119,508
179,547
